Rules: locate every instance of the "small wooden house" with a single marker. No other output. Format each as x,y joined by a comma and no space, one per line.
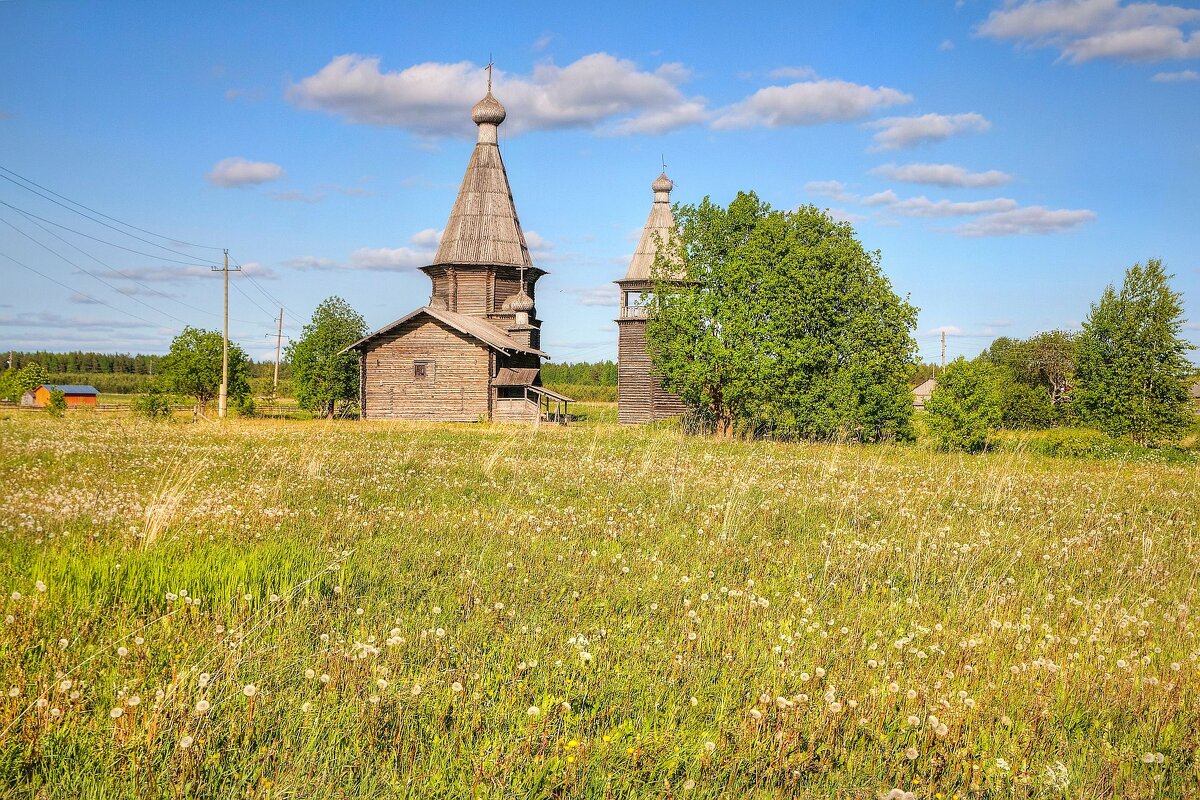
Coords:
75,394
641,397
922,392
474,351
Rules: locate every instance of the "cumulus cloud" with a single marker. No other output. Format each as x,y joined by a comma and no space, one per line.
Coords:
793,73
390,259
605,294
1175,77
834,190
1029,220
428,237
948,175
182,273
897,133
431,99
48,319
235,172
537,243
808,103
842,215
383,259
924,207
1083,30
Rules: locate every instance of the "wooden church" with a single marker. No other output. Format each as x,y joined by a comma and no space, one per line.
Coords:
474,352
641,397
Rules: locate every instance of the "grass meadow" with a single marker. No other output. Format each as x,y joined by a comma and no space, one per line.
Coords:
284,609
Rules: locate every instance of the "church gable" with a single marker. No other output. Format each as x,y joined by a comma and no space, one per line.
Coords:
425,369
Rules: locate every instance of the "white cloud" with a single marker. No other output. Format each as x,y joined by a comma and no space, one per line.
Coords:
924,207
1029,220
297,196
538,243
808,103
896,133
388,259
606,294
48,319
950,175
432,99
947,44
793,73
183,273
834,190
383,259
1174,77
842,215
427,237
310,262
83,299
1083,30
543,41
234,172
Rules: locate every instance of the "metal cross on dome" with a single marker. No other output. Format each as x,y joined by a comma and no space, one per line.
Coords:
489,66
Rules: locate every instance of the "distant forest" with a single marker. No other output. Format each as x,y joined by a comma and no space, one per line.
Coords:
80,362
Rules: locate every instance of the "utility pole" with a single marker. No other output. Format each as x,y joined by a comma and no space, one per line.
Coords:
278,345
943,351
223,397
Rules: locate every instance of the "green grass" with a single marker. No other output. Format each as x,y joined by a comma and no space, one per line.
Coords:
758,619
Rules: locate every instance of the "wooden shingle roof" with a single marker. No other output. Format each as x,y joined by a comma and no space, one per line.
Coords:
660,226
483,227
476,328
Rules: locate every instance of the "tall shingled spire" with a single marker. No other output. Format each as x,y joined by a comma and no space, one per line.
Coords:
660,224
483,228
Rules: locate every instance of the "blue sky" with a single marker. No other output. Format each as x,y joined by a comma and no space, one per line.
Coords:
1009,159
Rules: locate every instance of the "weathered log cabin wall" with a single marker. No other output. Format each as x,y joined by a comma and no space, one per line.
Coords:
456,382
640,395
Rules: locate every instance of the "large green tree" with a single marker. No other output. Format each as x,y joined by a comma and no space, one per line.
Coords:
785,325
1131,363
16,382
193,367
322,375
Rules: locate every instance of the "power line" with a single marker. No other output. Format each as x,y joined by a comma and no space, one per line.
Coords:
102,241
116,289
65,286
124,276
270,296
94,211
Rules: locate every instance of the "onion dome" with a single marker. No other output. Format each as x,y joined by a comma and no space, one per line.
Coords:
519,303
488,111
662,183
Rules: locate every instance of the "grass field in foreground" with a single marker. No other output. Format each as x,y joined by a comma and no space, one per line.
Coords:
311,609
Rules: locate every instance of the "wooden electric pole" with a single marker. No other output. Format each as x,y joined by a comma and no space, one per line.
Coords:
278,346
223,397
943,351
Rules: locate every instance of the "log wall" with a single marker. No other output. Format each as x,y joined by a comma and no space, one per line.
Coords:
640,396
456,388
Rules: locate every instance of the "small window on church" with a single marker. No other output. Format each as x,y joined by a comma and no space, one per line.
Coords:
423,370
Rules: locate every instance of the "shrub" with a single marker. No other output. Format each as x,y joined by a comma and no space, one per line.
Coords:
245,406
154,405
1025,407
58,403
1073,443
966,406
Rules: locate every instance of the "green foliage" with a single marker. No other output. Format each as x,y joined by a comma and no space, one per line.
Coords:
10,386
1025,407
153,405
1131,362
322,376
600,373
16,382
585,393
1046,360
785,325
193,367
246,407
58,403
966,405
